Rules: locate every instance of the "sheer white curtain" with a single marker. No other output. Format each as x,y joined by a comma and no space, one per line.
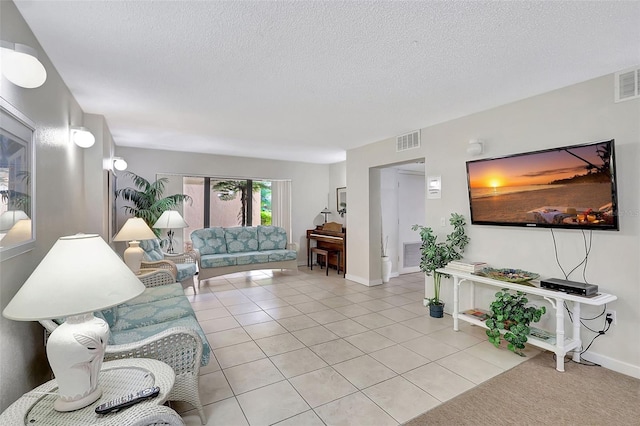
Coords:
281,204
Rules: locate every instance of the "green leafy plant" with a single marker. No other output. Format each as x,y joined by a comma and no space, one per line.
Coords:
147,200
435,255
510,314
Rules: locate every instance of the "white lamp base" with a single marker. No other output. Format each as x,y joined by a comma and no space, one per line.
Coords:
75,350
133,256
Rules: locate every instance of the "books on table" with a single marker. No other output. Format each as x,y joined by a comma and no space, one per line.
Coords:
480,314
544,335
466,266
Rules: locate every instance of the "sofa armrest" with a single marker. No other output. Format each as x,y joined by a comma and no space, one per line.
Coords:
186,257
179,347
157,277
161,264
292,246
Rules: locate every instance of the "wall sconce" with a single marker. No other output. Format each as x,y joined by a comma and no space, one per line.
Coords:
20,65
119,163
476,147
82,137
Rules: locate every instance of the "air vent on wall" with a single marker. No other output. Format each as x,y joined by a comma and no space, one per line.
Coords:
408,141
627,85
411,254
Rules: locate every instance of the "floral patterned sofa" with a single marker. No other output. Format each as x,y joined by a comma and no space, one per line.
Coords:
222,251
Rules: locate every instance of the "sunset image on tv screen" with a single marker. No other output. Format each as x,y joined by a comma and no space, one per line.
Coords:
569,186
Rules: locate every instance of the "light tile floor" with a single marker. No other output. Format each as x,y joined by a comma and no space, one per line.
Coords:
307,349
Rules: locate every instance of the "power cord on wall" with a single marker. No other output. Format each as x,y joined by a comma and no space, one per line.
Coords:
607,320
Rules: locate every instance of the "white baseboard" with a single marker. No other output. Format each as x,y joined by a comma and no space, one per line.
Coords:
363,281
613,364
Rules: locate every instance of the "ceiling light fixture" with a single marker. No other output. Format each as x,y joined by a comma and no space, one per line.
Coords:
119,163
82,137
20,65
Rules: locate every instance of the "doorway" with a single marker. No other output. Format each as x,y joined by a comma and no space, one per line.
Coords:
402,202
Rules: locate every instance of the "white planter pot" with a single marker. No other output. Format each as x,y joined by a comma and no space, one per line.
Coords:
386,269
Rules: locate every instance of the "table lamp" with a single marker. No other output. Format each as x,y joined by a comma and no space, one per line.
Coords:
168,220
80,274
134,230
326,212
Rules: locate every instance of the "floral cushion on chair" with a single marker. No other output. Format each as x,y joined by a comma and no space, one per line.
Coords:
152,250
272,238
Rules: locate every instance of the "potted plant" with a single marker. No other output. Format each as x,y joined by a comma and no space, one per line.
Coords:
147,200
510,314
435,255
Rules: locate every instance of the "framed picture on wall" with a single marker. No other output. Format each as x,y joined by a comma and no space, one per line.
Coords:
341,200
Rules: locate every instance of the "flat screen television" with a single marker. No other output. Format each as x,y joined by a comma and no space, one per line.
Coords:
571,187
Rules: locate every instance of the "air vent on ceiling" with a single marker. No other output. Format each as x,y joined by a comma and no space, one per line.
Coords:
627,85
411,254
408,141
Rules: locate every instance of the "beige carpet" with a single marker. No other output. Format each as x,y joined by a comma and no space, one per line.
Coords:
534,393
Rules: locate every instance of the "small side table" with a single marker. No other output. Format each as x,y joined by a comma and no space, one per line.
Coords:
117,378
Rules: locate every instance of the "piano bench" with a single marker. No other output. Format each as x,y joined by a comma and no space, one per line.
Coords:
325,253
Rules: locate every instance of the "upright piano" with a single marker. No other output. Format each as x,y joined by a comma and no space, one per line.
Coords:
330,236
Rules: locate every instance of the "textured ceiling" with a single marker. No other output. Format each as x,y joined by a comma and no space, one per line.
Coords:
308,80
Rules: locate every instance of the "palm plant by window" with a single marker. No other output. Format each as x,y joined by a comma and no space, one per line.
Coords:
147,199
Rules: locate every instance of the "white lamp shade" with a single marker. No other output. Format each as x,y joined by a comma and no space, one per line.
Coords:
120,164
82,137
21,66
170,219
134,229
10,218
80,274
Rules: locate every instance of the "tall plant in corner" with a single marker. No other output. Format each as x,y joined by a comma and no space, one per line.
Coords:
435,255
147,200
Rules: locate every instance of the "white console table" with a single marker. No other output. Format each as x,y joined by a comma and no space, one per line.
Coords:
555,298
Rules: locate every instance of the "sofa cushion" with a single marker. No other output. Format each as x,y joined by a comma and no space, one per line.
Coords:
241,239
130,336
272,238
160,311
185,270
152,250
209,240
153,294
252,257
280,255
217,260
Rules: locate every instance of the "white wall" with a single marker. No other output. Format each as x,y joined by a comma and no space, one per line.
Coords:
580,113
309,182
61,185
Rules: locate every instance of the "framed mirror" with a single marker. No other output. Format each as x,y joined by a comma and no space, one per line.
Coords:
341,200
17,182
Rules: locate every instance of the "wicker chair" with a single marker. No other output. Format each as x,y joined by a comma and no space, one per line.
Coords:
179,347
184,264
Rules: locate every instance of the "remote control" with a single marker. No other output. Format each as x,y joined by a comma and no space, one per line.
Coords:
127,401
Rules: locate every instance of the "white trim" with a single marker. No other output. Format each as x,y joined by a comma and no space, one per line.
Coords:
613,364
363,281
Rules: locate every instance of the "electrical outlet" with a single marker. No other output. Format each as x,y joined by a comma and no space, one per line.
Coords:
443,221
612,314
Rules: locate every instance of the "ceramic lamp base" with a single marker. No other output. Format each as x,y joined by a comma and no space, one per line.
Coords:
75,351
133,256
